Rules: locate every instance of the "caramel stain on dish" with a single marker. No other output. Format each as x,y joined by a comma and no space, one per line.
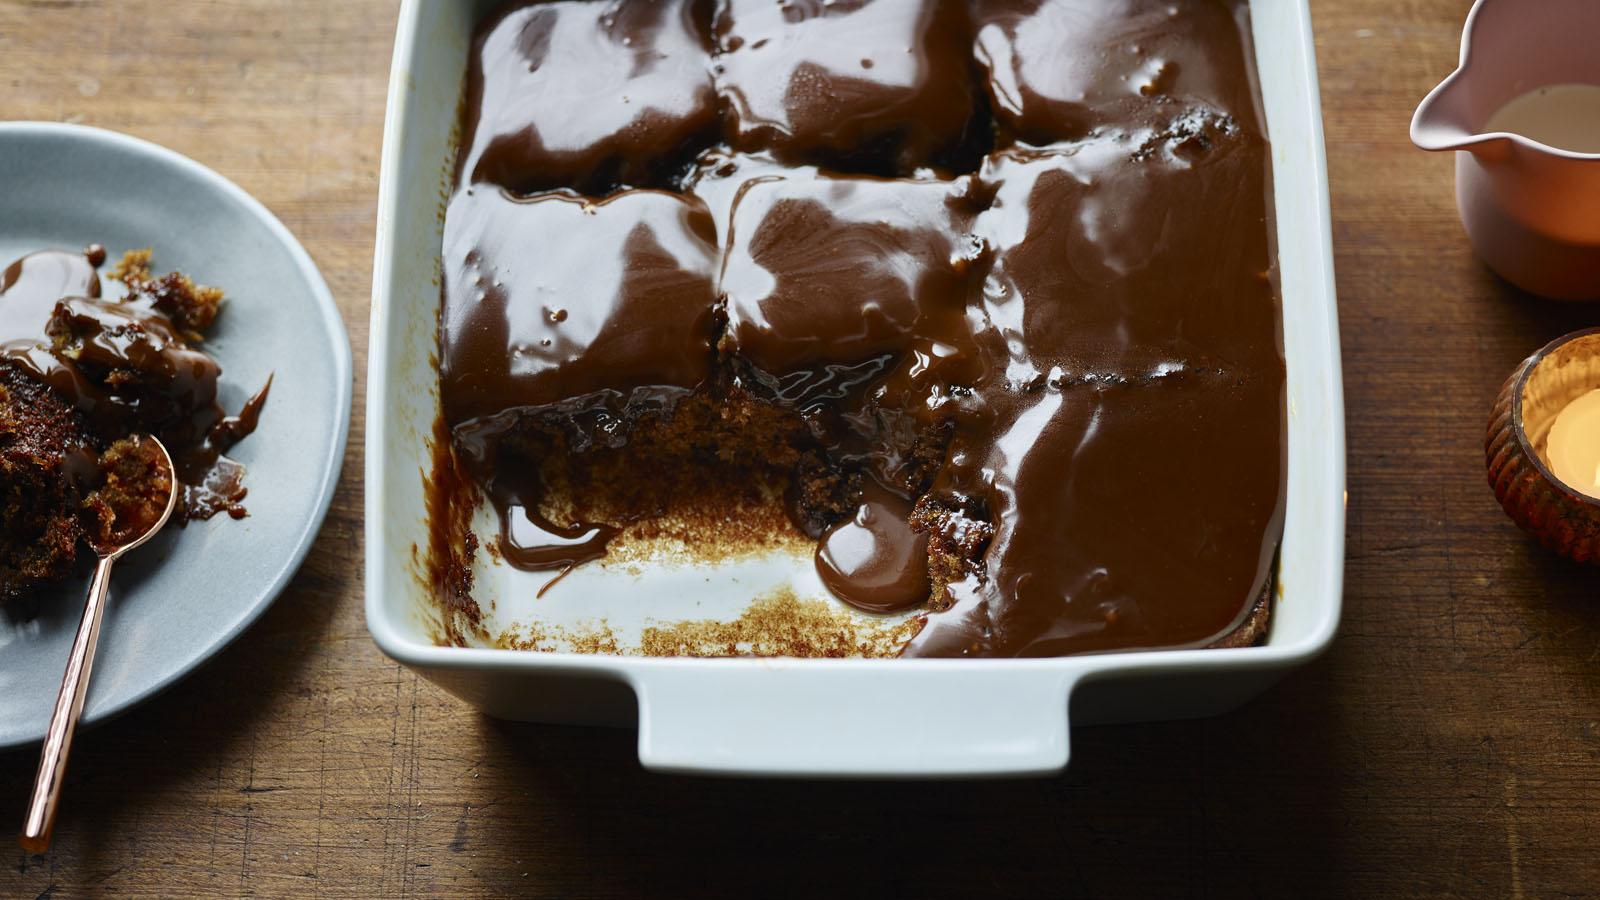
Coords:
450,498
590,639
781,624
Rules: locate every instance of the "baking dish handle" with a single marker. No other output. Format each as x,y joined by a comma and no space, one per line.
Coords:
799,718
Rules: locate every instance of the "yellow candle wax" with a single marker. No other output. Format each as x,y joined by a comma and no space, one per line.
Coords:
1573,449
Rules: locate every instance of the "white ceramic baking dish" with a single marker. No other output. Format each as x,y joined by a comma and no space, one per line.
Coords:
827,717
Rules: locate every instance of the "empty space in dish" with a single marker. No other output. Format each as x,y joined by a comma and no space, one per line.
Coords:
651,597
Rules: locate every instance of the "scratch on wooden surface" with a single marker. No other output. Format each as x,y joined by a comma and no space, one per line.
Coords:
394,766
458,841
1513,847
322,770
135,843
249,821
216,815
407,871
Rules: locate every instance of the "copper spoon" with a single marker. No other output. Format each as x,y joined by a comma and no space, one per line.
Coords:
35,837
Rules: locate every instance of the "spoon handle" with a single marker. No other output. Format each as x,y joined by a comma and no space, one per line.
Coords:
35,837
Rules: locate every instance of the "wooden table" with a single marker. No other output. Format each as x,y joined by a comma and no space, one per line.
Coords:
1448,745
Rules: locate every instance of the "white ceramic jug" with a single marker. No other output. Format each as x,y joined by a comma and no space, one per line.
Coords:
1532,211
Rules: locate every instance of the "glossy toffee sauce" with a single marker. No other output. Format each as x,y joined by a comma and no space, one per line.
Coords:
56,328
1062,370
873,560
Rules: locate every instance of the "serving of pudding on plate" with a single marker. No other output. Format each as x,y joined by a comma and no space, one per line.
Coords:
80,375
980,295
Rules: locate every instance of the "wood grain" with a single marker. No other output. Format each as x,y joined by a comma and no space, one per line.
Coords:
1448,745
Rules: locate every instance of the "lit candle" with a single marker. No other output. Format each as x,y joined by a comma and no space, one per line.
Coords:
1573,450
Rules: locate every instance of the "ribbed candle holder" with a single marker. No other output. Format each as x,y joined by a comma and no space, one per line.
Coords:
1562,517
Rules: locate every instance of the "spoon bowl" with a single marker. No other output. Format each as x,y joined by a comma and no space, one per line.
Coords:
126,518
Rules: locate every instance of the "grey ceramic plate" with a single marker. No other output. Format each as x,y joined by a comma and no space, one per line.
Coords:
189,592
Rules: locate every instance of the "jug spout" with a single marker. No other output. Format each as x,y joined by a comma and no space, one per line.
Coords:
1444,121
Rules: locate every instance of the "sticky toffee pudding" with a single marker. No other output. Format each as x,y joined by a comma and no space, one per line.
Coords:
983,294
